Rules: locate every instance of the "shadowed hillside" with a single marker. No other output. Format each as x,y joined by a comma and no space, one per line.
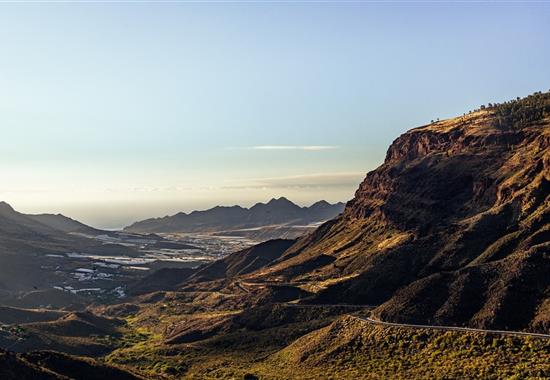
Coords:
55,366
243,262
33,257
65,224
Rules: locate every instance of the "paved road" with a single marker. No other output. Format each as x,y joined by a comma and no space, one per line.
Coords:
454,328
242,285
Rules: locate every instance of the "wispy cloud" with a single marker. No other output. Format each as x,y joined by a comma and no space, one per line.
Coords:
319,180
289,147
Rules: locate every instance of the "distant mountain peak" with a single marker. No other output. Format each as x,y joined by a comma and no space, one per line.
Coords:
321,203
280,201
222,218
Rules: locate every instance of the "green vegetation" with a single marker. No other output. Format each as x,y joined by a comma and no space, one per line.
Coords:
520,112
350,348
240,339
334,349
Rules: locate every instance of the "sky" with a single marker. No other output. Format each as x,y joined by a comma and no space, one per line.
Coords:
112,112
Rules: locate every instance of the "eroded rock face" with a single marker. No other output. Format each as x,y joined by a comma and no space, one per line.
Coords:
449,169
456,219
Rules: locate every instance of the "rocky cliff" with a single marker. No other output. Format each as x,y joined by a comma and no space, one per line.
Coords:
453,228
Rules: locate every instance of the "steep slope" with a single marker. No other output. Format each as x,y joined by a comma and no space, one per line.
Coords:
275,212
165,279
351,348
65,224
243,262
238,263
20,231
32,248
453,228
22,240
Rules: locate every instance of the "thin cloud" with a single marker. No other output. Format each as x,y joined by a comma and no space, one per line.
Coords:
319,180
312,148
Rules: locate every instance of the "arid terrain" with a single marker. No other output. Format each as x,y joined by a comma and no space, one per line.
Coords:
438,268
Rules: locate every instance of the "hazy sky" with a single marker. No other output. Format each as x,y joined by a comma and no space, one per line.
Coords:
114,112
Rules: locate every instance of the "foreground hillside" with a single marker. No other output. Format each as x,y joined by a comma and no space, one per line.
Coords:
312,342
350,348
55,366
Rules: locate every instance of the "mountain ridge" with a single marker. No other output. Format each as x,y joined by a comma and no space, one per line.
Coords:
453,228
222,218
65,224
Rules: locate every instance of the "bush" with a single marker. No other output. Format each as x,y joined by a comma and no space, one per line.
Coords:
518,113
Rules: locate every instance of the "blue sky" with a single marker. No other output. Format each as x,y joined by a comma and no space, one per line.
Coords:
111,112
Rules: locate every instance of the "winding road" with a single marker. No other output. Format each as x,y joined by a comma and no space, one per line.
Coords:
454,328
243,286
